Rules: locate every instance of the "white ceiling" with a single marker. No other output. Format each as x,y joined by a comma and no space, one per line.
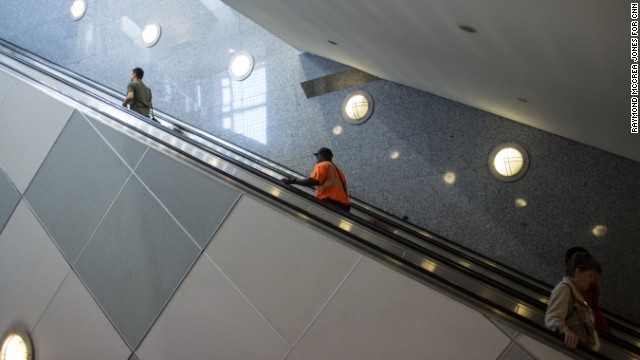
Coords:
570,59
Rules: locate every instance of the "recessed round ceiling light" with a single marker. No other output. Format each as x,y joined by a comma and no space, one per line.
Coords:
508,162
16,345
78,8
467,28
357,107
241,65
151,34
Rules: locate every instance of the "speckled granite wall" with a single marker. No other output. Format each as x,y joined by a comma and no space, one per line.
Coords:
570,188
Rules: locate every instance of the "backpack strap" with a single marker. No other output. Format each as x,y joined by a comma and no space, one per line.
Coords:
573,301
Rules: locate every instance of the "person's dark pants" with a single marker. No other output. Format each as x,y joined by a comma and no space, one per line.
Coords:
339,205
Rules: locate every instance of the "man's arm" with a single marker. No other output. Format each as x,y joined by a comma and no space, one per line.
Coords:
129,98
303,182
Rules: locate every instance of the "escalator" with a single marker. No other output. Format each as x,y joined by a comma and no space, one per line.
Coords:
476,280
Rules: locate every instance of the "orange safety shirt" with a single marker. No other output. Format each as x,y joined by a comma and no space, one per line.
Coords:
332,182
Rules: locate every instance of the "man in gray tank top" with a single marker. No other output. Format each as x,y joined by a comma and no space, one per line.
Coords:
138,94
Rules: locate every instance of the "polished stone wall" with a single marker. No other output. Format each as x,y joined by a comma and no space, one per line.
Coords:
570,188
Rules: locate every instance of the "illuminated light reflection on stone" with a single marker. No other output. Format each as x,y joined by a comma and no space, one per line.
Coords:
449,178
520,202
599,230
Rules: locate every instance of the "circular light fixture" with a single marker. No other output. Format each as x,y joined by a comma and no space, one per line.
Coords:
337,130
78,8
394,155
151,34
241,65
357,107
508,162
16,345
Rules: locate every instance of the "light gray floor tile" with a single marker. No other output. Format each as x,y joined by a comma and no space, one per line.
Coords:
197,201
9,198
28,130
76,185
209,319
379,313
129,149
74,327
135,261
287,269
31,270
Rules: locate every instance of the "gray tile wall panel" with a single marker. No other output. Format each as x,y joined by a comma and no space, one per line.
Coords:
75,185
6,82
516,353
130,150
9,198
510,331
209,318
287,269
31,121
73,328
31,270
197,201
540,351
135,261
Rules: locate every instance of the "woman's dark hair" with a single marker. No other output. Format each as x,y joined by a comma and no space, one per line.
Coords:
572,251
583,261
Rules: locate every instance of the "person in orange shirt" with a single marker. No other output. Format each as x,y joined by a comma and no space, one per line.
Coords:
328,179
